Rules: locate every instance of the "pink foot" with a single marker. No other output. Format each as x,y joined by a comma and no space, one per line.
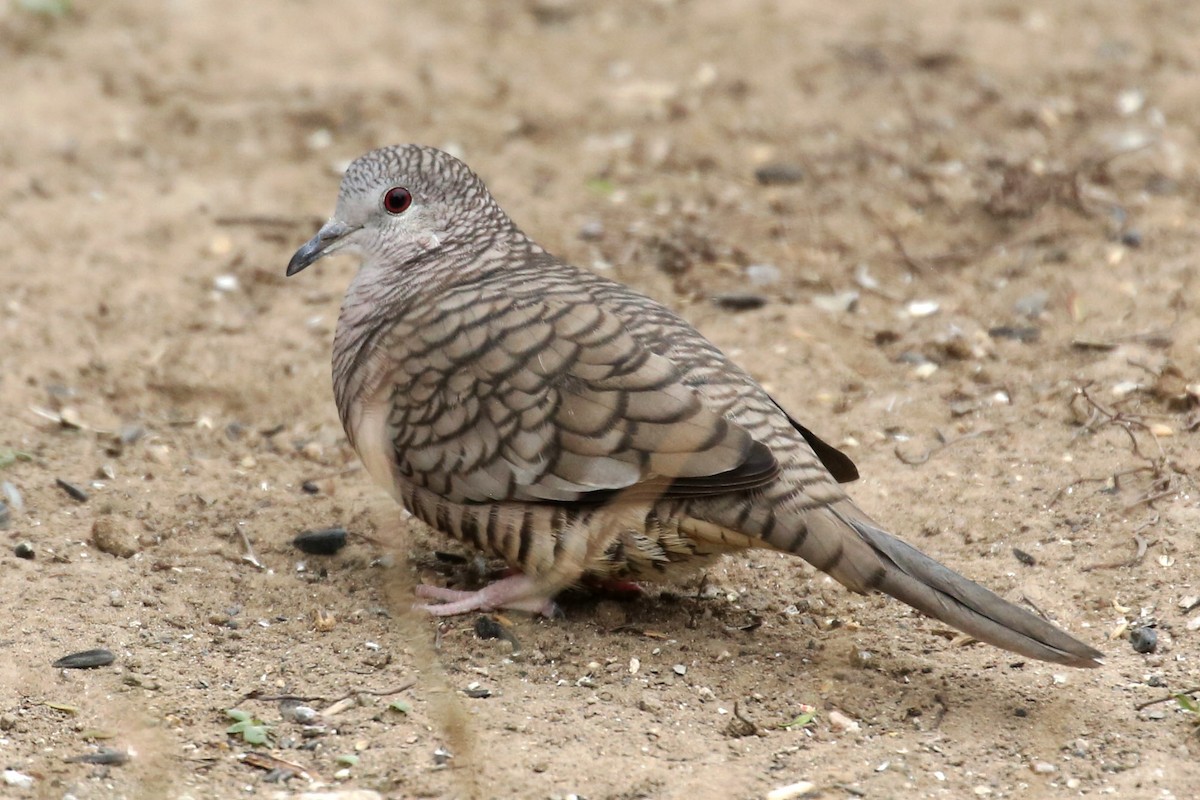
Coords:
516,592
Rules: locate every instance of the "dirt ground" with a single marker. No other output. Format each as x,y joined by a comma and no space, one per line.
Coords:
969,237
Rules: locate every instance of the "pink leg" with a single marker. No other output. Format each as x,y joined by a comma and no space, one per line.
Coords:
517,592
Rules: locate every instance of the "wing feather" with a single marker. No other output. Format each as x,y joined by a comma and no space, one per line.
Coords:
534,399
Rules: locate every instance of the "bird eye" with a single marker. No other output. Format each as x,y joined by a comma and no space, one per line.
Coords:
397,200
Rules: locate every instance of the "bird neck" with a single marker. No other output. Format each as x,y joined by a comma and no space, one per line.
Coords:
422,278
383,292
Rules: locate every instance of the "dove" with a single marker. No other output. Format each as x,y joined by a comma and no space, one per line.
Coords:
579,430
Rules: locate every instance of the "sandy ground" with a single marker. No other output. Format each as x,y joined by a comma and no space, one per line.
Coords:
976,237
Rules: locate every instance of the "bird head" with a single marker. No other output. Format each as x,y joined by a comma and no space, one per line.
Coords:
398,204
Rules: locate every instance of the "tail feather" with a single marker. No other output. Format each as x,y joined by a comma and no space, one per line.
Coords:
874,559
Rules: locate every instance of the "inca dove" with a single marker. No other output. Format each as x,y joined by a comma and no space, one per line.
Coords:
574,427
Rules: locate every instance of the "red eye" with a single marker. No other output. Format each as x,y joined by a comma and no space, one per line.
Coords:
397,200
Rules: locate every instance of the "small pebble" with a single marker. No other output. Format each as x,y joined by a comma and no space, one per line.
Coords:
1143,640
925,370
1032,305
1023,557
1130,101
679,669
105,756
23,550
792,791
836,303
488,627
86,659
477,692
763,274
1043,767
111,534
142,681
69,418
1132,238
73,491
739,301
225,283
592,230
319,139
220,245
779,174
650,705
305,715
18,780
129,434
1123,389
1018,333
922,308
310,487
313,451
842,722
324,542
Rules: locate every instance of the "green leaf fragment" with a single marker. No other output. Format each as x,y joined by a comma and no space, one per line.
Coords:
801,721
255,734
252,730
601,186
69,709
8,456
54,8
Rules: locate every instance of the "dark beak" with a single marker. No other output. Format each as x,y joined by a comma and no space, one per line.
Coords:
320,245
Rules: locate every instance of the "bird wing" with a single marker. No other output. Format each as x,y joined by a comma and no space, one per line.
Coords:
542,399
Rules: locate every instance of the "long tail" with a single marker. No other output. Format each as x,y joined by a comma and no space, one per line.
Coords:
844,542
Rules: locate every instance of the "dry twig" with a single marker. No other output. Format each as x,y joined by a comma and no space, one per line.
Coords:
1167,699
1139,553
272,698
921,459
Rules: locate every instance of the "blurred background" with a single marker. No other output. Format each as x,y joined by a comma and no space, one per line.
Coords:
958,240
